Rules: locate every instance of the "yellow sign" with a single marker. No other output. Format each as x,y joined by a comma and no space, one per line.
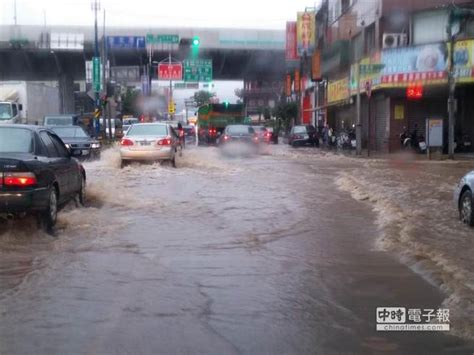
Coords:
171,107
338,90
399,112
464,61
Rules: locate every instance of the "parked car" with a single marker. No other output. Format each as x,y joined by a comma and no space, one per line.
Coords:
239,140
75,137
303,135
61,120
463,195
150,142
38,174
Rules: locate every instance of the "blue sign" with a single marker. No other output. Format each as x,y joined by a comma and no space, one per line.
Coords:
126,42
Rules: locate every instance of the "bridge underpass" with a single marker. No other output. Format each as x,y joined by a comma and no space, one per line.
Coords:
248,55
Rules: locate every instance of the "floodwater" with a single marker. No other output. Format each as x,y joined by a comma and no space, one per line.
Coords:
276,254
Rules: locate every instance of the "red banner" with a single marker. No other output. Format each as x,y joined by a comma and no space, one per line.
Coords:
291,49
297,81
170,71
288,85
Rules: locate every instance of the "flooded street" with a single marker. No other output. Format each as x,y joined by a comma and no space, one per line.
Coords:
288,253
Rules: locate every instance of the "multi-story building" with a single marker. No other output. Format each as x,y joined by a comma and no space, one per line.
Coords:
394,48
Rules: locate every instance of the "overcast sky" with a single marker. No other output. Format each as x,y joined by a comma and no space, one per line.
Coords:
271,14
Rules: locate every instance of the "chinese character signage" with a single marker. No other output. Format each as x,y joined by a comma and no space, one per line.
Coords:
126,42
291,52
464,61
288,85
297,81
338,90
316,66
170,71
196,70
306,32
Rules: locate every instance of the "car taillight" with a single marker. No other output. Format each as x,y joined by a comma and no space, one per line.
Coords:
165,141
267,134
19,179
126,142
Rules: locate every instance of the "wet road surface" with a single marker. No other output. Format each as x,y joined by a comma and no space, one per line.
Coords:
251,256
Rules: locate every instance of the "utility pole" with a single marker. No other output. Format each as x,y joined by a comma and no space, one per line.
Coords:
14,13
171,83
358,118
106,108
95,8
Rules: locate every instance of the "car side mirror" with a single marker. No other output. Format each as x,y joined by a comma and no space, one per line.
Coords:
75,152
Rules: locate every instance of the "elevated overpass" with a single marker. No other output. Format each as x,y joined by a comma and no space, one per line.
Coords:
26,52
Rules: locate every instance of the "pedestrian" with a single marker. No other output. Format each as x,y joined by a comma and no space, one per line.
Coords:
181,134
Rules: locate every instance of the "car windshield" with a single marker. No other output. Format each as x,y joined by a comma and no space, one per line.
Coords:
58,121
240,130
73,132
5,111
147,130
15,140
300,129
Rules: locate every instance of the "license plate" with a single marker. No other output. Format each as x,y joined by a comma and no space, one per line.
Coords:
85,152
305,136
145,143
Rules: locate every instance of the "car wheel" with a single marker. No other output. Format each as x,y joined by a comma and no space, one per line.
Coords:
465,208
124,163
50,216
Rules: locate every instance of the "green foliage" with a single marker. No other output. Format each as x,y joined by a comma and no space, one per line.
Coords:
129,102
203,97
285,112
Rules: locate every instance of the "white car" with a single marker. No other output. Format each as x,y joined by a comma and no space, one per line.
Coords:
150,142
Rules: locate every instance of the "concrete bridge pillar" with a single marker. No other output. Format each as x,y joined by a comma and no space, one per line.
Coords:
66,92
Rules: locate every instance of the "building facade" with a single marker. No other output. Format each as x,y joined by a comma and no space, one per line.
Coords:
396,55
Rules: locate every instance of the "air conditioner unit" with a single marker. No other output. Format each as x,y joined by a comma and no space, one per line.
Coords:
393,40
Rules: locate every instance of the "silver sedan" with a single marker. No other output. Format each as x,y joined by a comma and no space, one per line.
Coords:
463,198
150,142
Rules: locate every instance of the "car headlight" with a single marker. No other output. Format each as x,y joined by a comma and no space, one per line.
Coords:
68,146
95,145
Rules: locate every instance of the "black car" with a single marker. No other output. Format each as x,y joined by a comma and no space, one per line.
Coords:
239,139
75,137
38,174
302,135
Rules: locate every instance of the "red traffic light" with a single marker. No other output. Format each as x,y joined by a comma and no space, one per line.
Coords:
415,92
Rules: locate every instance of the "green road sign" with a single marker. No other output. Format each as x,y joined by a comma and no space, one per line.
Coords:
198,70
96,74
371,68
158,39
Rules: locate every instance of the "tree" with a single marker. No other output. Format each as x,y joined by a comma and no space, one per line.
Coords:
203,97
285,112
239,92
267,114
129,102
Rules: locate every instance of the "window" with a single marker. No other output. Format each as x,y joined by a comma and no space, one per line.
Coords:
370,39
14,110
240,130
147,130
430,27
63,153
15,140
70,132
48,143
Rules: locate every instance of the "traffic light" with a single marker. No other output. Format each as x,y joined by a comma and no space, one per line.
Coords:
196,41
226,104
